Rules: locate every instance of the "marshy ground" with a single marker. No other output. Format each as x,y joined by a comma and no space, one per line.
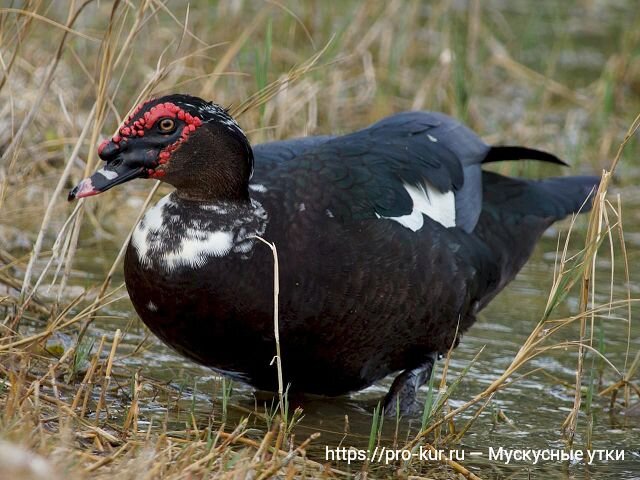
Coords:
87,392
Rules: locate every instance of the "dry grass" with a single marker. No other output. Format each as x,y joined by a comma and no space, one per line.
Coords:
68,78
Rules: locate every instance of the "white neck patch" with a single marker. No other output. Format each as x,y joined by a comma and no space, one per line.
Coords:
428,200
173,237
197,246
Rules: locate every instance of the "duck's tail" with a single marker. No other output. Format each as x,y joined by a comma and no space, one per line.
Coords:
515,213
510,152
551,198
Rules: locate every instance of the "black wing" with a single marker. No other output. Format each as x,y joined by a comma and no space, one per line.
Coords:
364,174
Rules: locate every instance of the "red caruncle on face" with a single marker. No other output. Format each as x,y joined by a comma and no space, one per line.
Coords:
146,122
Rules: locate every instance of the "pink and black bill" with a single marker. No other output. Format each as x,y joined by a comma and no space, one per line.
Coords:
144,143
106,178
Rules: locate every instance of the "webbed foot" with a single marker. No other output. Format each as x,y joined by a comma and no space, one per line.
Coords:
403,392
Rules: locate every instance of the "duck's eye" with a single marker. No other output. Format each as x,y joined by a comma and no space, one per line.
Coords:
166,125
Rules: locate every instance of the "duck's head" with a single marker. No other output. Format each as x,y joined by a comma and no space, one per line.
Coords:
194,145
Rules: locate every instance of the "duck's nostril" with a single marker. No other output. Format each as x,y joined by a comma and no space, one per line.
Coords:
108,149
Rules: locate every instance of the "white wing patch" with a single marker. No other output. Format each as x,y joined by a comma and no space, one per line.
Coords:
428,200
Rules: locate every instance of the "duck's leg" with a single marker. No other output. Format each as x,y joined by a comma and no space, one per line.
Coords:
404,388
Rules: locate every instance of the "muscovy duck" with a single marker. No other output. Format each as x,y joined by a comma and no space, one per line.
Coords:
391,239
